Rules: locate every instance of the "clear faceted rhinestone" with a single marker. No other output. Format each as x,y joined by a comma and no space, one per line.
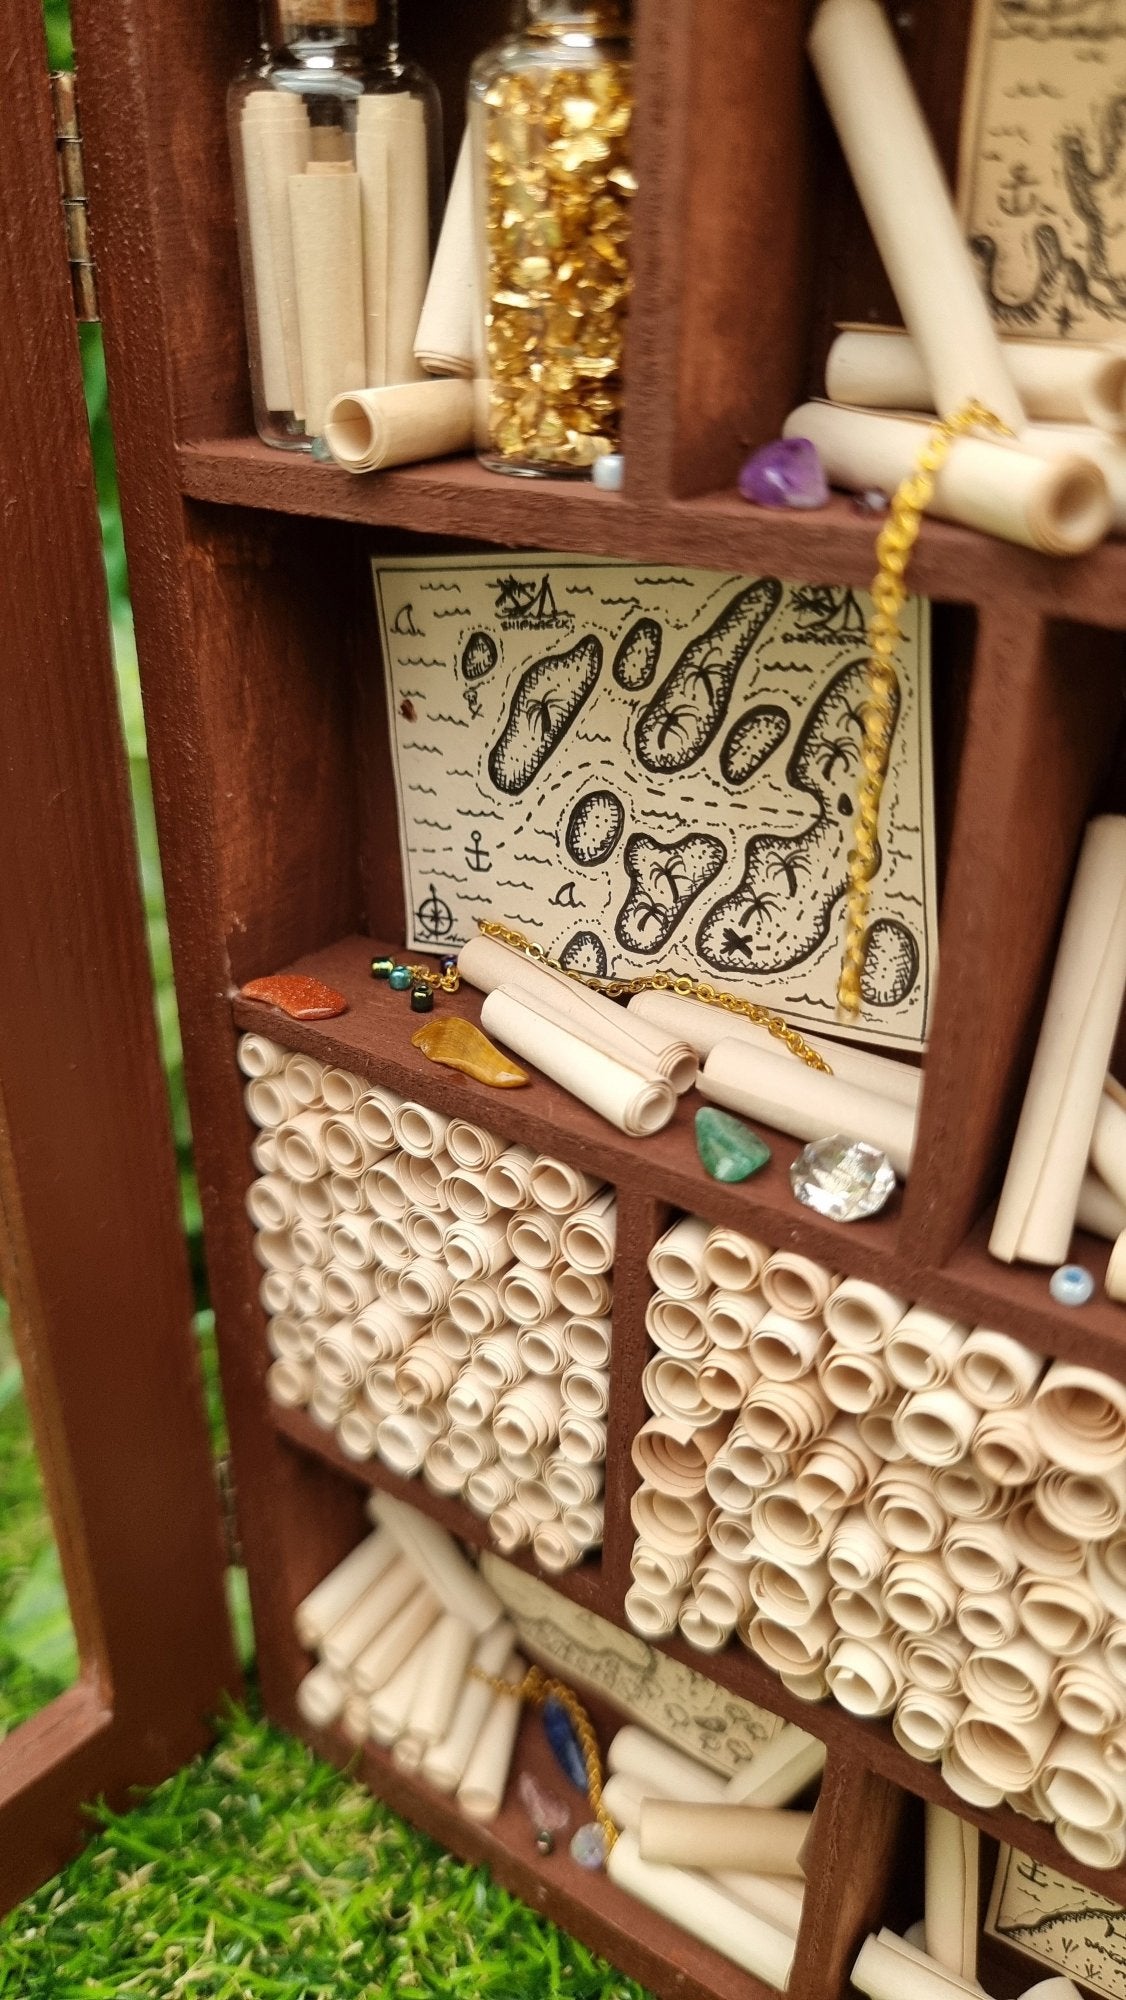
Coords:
843,1178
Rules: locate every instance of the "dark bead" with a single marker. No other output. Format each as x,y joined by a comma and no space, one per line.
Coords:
382,968
447,964
422,1000
545,1840
565,1746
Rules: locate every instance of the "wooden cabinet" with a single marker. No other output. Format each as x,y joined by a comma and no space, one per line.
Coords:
259,657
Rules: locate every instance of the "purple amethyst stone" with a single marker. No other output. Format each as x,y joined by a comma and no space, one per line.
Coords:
786,473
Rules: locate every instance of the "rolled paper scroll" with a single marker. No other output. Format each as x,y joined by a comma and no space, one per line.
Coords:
301,1150
324,206
935,1663
367,430
795,1286
634,1753
588,1341
303,1079
1106,1568
527,1295
1079,1784
476,1249
750,1839
440,1468
443,1679
905,197
935,1426
652,1614
269,1102
1088,1698
534,1239
393,1248
1004,1752
777,1898
476,1308
705,1912
1006,1449
877,1429
424,1232
335,1358
923,1723
270,1202
780,1771
1108,1145
403,1441
1086,1506
276,1251
584,1389
676,1261
783,1527
859,1613
347,1149
348,1292
730,1318
425,1374
734,1537
674,1523
952,1883
784,1416
445,1760
888,1969
919,1596
425,1286
343,1587
1049,1156
860,1315
1058,503
489,1490
722,1590
732,1261
256,1055
558,1187
837,1469
706,1634
1058,382
587,1237
472,1449
599,1023
285,1336
317,1200
1063,1614
446,339
858,1553
702,1027
636,1104
389,1706
264,1153
995,1371
805,1102
1101,1848
1078,1417
420,1131
582,1294
481,1791
375,1114
1011,1683
381,1333
275,145
376,1613
790,1649
383,1188
542,1351
320,1697
311,1245
392,167
424,1176
508,1180
731,1493
672,1456
853,1381
904,1506
528,1416
922,1349
865,1676
435,1554
554,1548
582,1439
979,1556
353,1243
1100,1211
726,1380
576,1485
677,1326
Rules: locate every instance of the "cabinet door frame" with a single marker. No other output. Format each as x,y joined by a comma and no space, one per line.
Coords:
92,1258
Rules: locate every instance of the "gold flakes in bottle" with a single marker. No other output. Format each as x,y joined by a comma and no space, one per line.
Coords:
559,188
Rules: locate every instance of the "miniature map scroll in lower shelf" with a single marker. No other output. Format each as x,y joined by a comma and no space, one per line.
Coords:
1060,1924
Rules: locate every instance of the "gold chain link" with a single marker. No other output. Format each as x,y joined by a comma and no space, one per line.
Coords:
538,1688
894,546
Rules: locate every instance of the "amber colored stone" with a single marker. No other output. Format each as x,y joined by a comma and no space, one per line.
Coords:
457,1044
295,994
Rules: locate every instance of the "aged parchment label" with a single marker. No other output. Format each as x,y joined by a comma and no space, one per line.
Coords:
1063,1926
1042,181
643,769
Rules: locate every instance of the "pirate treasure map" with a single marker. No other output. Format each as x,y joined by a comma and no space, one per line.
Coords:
1063,1926
643,769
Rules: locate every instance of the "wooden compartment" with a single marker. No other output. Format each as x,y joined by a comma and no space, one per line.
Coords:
276,809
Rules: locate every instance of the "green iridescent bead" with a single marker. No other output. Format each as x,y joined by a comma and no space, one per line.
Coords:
728,1149
382,968
400,980
422,1000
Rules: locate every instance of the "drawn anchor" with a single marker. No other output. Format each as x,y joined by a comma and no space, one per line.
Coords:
404,622
434,918
565,898
478,857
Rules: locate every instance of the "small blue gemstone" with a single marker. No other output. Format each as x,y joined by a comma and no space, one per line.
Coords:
400,980
1071,1285
565,1745
447,964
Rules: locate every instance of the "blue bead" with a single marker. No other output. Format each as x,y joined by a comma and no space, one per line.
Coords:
1071,1285
565,1745
448,964
401,980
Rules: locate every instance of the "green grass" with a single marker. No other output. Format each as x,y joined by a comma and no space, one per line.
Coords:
37,1656
260,1874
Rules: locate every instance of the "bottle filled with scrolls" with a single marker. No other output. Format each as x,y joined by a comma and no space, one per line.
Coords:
550,116
336,146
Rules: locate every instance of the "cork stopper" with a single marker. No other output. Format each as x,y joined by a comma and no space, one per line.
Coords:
291,18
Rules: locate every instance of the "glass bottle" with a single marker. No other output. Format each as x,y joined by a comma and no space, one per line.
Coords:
550,114
336,145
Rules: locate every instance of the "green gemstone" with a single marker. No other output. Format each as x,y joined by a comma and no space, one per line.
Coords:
728,1149
422,1000
400,980
382,968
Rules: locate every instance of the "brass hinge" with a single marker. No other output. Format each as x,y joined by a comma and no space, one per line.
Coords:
72,185
225,1481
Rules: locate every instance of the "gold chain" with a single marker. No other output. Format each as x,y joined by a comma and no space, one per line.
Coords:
665,982
894,546
538,1688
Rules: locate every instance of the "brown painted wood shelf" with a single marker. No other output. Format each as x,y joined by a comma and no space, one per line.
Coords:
717,530
275,799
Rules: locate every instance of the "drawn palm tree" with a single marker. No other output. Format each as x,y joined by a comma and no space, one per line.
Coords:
546,713
790,866
647,910
678,721
759,906
703,674
834,750
675,874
